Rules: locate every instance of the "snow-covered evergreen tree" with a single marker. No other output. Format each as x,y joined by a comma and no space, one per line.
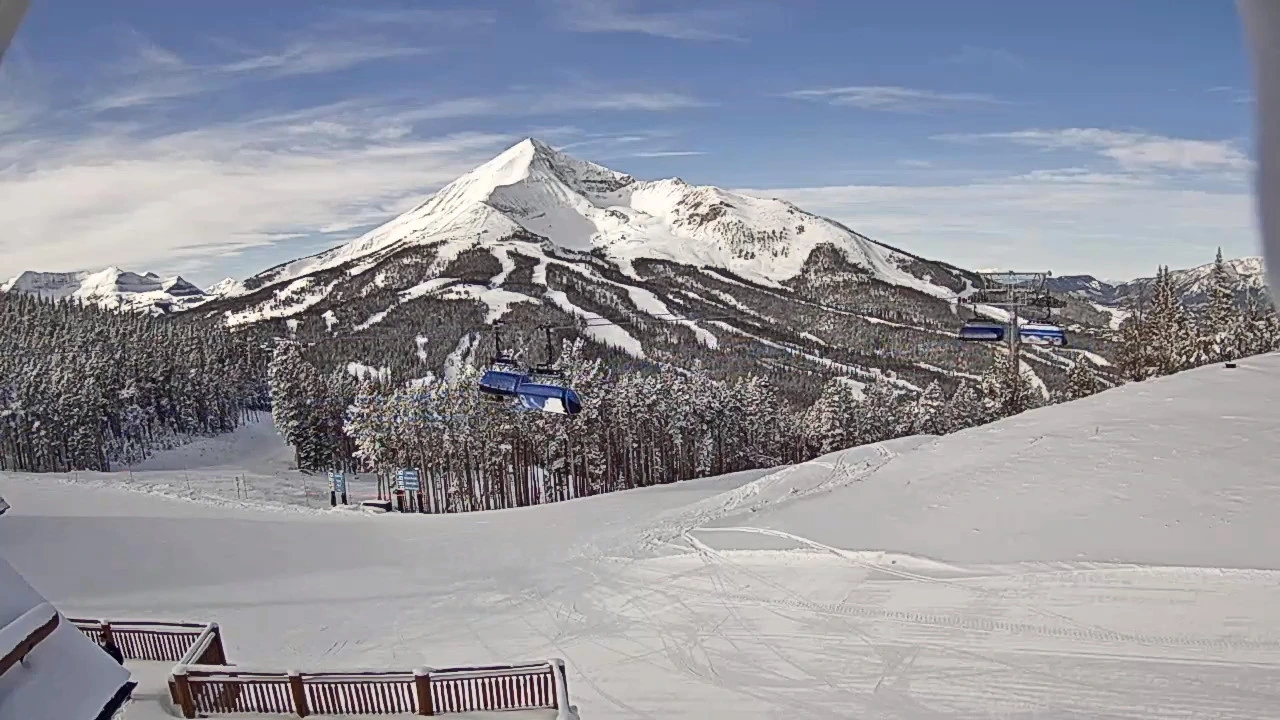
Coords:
81,387
1005,393
884,413
1083,379
1170,334
965,408
833,421
928,416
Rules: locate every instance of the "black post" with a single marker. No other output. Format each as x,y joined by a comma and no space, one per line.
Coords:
344,496
333,498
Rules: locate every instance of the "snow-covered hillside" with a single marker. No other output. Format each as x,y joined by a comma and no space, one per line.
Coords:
115,289
1111,557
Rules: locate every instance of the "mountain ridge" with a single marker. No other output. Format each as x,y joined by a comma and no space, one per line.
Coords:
114,289
1248,276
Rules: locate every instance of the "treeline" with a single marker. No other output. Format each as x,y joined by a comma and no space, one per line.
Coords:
85,388
635,430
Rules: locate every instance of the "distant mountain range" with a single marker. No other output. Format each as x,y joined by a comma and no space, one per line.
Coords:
1192,285
116,289
649,271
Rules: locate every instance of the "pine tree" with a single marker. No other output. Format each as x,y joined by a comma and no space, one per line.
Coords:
832,421
965,408
1005,394
928,416
1222,322
1222,300
882,413
1083,379
1169,335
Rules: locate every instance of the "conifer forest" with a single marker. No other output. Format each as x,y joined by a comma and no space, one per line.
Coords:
83,388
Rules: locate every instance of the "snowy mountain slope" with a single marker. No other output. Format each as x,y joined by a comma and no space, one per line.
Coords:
1110,557
115,289
536,237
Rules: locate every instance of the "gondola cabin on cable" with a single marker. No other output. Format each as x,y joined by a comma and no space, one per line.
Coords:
1042,334
982,331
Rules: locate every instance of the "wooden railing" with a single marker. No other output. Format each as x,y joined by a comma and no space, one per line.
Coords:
160,641
203,682
207,689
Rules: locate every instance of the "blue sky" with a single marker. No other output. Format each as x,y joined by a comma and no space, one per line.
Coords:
216,139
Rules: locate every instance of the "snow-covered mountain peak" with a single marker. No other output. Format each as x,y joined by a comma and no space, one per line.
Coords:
111,288
531,191
224,286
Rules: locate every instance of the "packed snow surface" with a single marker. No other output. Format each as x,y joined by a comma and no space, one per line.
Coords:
1114,557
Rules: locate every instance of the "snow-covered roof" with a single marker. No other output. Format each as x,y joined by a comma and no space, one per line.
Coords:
65,676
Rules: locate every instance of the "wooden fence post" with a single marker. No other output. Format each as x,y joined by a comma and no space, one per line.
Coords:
422,687
558,670
182,689
299,694
219,652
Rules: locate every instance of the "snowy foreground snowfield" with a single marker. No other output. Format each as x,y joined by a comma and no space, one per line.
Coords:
1115,557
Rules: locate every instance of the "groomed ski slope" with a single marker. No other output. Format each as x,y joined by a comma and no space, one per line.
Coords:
1116,557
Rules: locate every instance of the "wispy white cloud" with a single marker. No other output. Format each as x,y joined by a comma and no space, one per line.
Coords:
1068,222
123,179
1083,176
149,73
183,201
682,22
1133,151
1234,94
647,101
889,98
550,102
451,18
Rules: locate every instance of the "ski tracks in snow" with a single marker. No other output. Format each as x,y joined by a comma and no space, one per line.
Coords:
818,631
